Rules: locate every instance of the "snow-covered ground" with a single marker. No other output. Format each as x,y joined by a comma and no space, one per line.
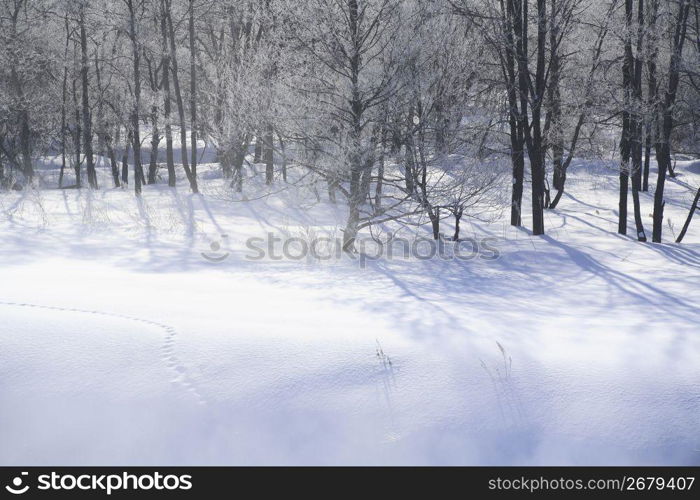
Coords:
120,343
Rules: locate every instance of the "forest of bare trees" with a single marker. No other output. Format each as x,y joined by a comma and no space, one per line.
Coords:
396,107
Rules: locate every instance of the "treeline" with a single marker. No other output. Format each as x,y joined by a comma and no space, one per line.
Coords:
400,107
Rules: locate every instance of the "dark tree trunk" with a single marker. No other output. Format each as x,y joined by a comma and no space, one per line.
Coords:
26,146
622,206
410,168
112,159
284,158
353,221
458,217
651,126
533,129
663,159
193,95
517,157
257,156
87,119
380,172
238,159
366,174
537,153
64,93
434,216
224,157
178,99
636,117
355,162
76,139
125,158
517,141
556,138
169,157
237,182
17,86
332,186
627,123
269,155
135,121
647,157
693,207
663,144
155,141
102,128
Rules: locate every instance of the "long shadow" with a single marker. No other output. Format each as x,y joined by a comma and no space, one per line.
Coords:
585,204
18,202
145,216
678,254
624,282
597,228
210,214
409,291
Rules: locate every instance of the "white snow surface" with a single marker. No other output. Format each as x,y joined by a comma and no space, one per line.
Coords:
121,344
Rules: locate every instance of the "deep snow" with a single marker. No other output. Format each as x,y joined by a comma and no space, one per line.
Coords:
120,343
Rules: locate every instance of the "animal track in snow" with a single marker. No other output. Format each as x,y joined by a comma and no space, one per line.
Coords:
168,347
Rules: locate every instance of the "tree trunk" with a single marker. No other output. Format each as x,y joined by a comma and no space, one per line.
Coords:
458,217
169,157
663,159
636,118
693,207
224,157
269,155
556,139
239,158
332,186
87,119
76,138
112,159
517,141
351,226
193,95
434,216
410,167
663,144
237,181
380,172
125,158
284,158
647,157
652,128
178,100
155,141
135,122
356,108
64,93
26,147
25,132
533,130
627,123
257,156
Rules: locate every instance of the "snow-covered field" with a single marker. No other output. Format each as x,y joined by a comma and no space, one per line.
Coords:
120,343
